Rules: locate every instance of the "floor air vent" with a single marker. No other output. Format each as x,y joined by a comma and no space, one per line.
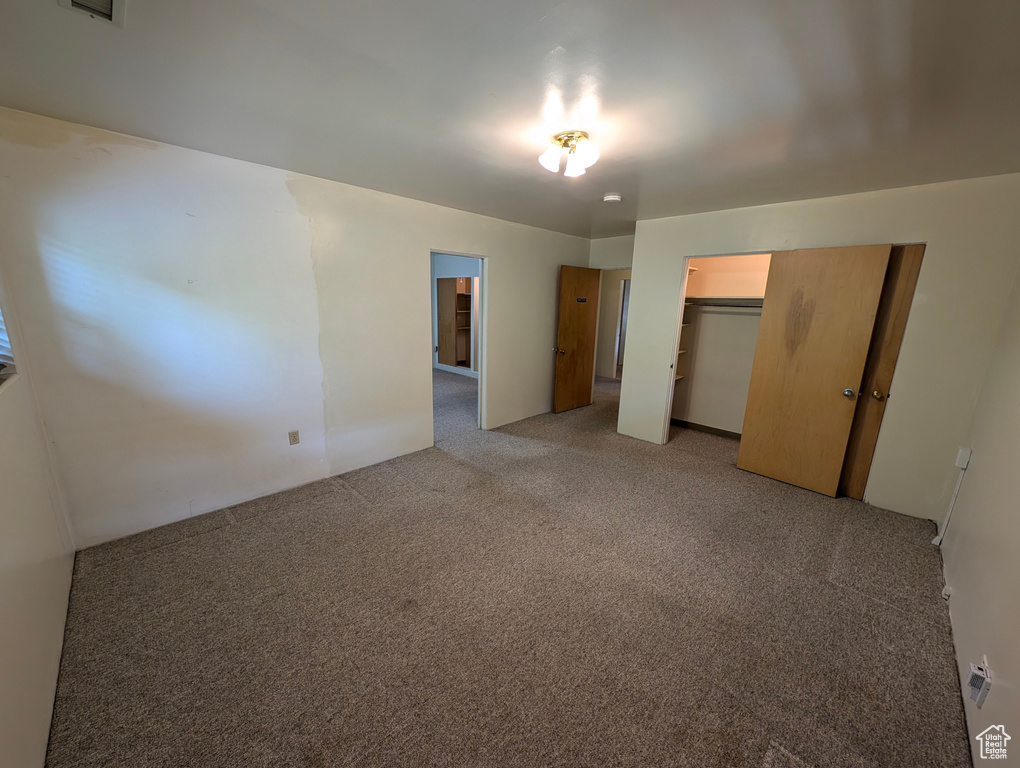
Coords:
109,10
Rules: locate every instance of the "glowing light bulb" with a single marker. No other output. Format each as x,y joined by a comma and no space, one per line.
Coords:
575,165
550,159
586,152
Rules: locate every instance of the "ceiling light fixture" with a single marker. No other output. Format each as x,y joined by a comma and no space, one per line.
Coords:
581,153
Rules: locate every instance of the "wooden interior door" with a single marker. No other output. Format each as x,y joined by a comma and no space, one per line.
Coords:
891,321
576,337
816,327
446,315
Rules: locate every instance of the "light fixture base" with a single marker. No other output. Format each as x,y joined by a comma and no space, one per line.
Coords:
581,153
569,138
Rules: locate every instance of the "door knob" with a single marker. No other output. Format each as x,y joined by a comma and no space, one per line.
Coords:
877,395
848,393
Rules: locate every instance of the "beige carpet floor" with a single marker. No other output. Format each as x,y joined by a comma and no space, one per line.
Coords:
547,594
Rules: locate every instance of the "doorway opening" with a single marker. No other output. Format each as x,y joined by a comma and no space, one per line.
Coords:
591,336
609,341
457,343
614,304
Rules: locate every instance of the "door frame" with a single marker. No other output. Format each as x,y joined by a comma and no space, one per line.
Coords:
479,298
620,330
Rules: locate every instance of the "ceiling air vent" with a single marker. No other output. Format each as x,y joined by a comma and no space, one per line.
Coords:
110,10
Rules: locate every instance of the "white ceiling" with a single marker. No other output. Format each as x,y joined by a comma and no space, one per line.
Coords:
695,105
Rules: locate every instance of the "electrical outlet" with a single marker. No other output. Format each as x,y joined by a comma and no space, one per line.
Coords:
295,437
963,458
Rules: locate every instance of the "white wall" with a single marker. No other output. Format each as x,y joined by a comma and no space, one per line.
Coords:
730,276
973,236
184,311
448,265
720,344
611,252
35,571
981,549
384,408
610,306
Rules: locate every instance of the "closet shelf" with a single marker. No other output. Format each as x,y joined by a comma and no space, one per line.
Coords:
722,301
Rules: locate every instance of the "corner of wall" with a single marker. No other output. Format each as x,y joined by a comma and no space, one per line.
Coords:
611,252
55,489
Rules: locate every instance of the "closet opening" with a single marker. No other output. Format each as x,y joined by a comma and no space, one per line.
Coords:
793,353
457,343
721,310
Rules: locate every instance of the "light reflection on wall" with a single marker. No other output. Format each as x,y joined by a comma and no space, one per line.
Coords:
135,332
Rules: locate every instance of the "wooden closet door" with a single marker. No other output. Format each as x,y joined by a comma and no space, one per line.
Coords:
446,315
816,326
890,323
575,337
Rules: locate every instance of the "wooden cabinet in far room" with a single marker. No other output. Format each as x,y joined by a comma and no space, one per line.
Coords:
454,318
